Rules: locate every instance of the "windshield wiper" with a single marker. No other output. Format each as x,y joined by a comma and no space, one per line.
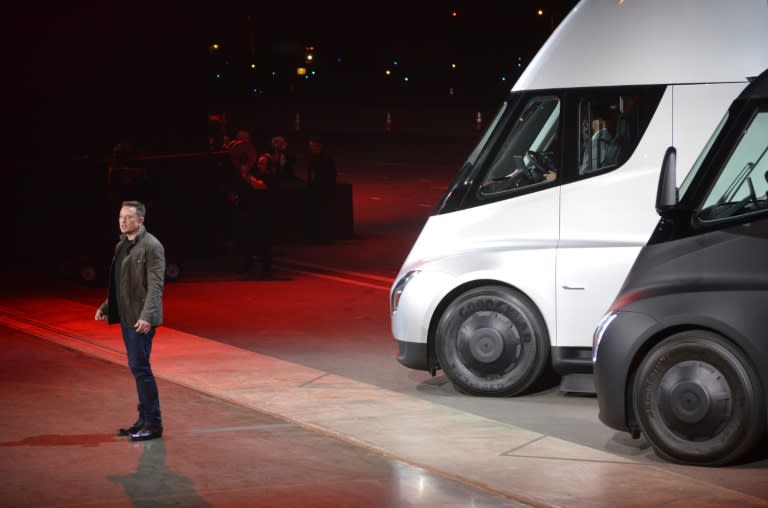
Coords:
736,184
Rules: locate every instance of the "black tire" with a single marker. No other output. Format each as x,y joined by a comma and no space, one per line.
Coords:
492,341
698,400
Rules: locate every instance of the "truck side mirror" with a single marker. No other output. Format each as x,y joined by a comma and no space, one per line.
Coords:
666,194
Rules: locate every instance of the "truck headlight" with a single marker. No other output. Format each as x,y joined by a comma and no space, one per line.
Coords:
397,291
600,330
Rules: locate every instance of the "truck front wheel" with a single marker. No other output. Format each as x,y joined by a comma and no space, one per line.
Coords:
492,341
698,400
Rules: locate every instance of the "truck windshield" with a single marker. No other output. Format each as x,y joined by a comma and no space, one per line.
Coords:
464,177
526,152
697,165
742,186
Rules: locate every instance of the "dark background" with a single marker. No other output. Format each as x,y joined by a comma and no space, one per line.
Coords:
83,75
80,77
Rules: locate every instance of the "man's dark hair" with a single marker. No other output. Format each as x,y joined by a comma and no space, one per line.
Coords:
141,210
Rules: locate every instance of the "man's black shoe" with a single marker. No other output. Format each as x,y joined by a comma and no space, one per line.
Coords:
133,429
147,432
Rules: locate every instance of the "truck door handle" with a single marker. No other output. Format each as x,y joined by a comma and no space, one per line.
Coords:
573,288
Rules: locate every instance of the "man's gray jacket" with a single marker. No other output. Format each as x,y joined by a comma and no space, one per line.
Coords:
142,273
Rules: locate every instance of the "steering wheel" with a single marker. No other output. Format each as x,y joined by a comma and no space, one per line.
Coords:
541,164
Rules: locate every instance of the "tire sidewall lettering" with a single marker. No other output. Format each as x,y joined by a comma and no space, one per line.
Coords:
516,313
714,352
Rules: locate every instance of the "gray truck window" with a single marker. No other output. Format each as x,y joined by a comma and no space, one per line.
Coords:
528,154
610,127
742,186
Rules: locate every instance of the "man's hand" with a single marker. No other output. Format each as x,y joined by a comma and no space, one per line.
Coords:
100,316
257,183
142,326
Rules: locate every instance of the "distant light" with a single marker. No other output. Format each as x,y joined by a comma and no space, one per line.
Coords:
218,75
388,72
274,73
253,66
309,57
215,46
339,59
406,79
395,63
453,66
454,14
503,78
313,73
540,12
301,71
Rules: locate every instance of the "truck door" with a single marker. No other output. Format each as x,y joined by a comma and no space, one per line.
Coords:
607,211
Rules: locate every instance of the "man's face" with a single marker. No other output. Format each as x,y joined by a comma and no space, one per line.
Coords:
597,125
129,220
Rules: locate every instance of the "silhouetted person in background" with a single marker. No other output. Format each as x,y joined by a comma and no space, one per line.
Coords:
241,149
321,178
321,169
283,163
255,203
244,157
135,301
217,129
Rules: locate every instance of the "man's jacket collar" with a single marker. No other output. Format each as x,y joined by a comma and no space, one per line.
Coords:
142,233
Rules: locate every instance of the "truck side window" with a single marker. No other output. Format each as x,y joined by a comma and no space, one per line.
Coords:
528,153
610,127
742,186
550,138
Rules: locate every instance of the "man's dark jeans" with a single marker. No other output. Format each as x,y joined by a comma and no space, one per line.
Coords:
138,346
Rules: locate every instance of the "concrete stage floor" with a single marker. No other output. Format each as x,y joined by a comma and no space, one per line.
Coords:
244,429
